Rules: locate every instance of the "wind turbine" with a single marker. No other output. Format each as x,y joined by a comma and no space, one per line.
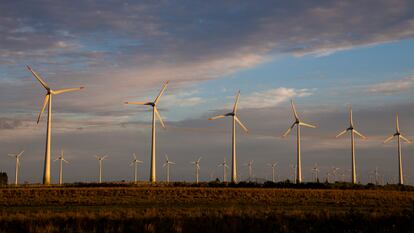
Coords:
155,115
197,168
62,159
224,165
167,166
235,119
250,166
135,162
100,159
315,170
353,131
334,170
48,101
17,156
399,136
273,165
298,122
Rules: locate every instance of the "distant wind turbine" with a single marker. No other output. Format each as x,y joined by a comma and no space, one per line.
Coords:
315,170
399,136
273,165
197,169
100,159
250,167
155,115
167,166
135,163
353,131
235,119
17,156
224,165
298,122
61,159
48,101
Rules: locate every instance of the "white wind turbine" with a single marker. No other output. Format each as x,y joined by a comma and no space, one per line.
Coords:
155,115
298,122
167,166
250,167
273,165
235,119
353,131
48,101
315,170
135,162
197,169
100,160
61,159
399,136
17,156
224,165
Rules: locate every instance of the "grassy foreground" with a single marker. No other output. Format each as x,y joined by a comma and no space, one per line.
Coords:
204,209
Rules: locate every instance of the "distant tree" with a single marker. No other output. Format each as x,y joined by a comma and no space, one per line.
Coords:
3,178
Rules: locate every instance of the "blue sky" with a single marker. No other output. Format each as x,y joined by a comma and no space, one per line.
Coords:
323,54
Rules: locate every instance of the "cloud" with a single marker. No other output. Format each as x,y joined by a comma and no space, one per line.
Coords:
272,97
392,87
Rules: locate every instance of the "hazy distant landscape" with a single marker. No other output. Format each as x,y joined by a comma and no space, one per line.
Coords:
181,208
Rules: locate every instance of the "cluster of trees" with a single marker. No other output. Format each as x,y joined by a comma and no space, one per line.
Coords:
3,178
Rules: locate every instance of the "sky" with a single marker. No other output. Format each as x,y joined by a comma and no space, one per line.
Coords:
325,55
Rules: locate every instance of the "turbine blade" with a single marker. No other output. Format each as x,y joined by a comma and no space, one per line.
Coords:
307,125
67,90
159,117
198,159
38,78
64,160
241,124
216,117
388,139
294,109
161,92
404,138
45,102
56,159
341,133
236,103
288,130
20,153
138,103
133,155
351,121
359,134
397,126
104,157
139,161
131,164
166,157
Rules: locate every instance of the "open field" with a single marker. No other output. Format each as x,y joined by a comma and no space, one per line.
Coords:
204,209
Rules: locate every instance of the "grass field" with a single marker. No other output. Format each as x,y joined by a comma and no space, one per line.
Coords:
204,209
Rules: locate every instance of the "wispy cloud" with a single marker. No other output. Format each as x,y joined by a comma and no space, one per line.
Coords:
392,87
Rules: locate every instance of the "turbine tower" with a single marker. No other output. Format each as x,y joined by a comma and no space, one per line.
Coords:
197,168
17,156
100,159
235,120
224,165
48,101
298,122
250,167
155,115
399,136
61,159
135,163
167,166
353,131
273,165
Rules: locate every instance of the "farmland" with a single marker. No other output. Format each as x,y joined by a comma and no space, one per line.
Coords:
203,209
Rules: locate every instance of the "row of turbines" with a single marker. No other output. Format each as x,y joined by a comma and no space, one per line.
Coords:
235,122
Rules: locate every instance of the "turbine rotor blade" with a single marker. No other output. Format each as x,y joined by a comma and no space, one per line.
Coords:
351,121
45,102
20,153
404,138
161,92
241,124
294,109
67,90
236,103
159,117
216,117
388,139
138,103
307,125
288,130
38,78
133,154
397,124
64,160
359,134
341,133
